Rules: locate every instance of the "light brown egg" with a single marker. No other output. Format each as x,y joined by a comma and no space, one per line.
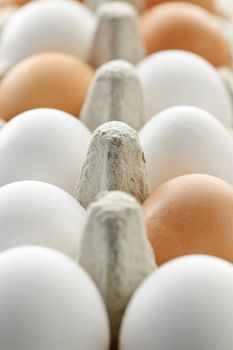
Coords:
46,80
13,2
209,5
187,27
191,214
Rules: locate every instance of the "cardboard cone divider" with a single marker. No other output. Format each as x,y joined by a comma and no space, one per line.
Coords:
93,5
115,252
115,94
226,74
2,123
114,162
117,35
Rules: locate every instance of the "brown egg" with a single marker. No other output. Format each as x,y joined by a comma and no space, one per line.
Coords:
191,214
46,80
186,27
209,5
13,2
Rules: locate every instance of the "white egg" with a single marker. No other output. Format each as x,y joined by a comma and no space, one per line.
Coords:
186,304
172,78
36,213
45,145
48,302
42,26
183,140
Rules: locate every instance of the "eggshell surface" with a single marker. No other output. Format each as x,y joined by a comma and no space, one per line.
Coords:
13,2
47,80
186,304
48,302
42,26
209,5
176,77
37,213
186,27
190,214
183,140
45,145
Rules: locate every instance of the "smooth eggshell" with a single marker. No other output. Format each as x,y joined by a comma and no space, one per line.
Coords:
176,77
13,2
186,27
38,213
183,140
191,214
207,4
186,304
42,26
45,145
47,80
48,302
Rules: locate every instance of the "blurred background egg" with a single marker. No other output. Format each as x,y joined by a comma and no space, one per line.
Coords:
185,27
38,213
13,2
183,140
48,302
176,77
190,214
209,5
42,26
47,80
186,304
45,145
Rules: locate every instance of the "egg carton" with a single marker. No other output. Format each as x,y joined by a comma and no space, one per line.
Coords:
116,28
114,248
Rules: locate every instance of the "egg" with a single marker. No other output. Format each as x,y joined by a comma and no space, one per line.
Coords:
47,80
190,214
37,213
45,145
186,27
48,302
176,77
42,26
183,140
13,2
209,5
186,304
